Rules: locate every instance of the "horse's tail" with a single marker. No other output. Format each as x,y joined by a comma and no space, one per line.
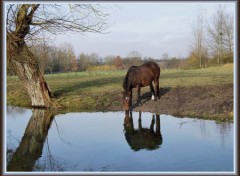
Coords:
157,69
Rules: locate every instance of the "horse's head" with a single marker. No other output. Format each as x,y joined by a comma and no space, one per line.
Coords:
126,101
127,93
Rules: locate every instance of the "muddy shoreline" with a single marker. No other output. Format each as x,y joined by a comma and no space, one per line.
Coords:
209,102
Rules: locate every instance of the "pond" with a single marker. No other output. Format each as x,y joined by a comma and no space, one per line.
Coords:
38,141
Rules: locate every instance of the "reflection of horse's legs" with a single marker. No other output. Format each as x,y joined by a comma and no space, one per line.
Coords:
140,122
152,90
138,94
152,123
158,125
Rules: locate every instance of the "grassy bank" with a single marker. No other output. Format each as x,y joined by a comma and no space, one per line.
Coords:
94,91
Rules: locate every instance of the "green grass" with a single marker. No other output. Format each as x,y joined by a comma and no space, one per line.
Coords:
87,92
212,75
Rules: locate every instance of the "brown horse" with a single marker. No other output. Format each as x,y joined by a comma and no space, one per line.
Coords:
140,76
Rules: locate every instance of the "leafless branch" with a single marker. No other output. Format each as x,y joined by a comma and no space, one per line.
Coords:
56,18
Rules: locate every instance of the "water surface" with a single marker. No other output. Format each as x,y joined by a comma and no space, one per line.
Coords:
37,140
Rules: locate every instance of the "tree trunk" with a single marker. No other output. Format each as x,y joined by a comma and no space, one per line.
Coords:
26,67
23,60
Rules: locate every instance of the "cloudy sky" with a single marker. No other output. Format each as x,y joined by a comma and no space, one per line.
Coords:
151,28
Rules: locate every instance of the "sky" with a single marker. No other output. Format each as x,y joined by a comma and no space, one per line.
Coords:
150,28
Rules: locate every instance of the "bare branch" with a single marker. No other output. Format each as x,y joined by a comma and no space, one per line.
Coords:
30,19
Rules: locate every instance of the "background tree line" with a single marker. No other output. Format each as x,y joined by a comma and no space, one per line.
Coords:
59,59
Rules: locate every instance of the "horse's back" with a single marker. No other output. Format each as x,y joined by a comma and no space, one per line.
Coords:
152,67
142,75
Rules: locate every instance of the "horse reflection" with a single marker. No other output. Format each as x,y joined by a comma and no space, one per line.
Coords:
31,145
142,138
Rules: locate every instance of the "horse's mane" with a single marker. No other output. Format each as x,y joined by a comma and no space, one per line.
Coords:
127,81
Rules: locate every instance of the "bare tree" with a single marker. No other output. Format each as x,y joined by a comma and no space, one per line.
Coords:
134,54
41,49
133,58
198,40
109,59
165,56
220,30
74,65
94,59
25,22
66,54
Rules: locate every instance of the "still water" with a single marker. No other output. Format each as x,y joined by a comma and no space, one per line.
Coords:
38,141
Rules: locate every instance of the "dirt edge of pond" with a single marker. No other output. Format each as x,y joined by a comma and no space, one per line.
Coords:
209,102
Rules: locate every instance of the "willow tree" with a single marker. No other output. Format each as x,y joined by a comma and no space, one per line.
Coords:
26,22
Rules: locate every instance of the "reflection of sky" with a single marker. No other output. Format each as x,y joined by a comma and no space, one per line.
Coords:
85,141
16,123
149,28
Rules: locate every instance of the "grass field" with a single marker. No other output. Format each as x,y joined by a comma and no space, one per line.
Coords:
85,91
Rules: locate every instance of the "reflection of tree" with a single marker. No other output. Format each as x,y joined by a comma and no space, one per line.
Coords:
224,129
142,138
30,148
48,162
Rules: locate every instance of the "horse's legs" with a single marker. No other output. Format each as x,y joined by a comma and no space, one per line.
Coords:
138,94
156,85
130,101
152,90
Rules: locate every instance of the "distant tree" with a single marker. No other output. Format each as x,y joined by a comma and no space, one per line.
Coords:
173,63
84,62
118,62
134,54
74,65
66,54
55,55
128,62
193,58
133,58
148,58
40,50
198,45
109,59
165,56
94,59
51,63
220,30
166,62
